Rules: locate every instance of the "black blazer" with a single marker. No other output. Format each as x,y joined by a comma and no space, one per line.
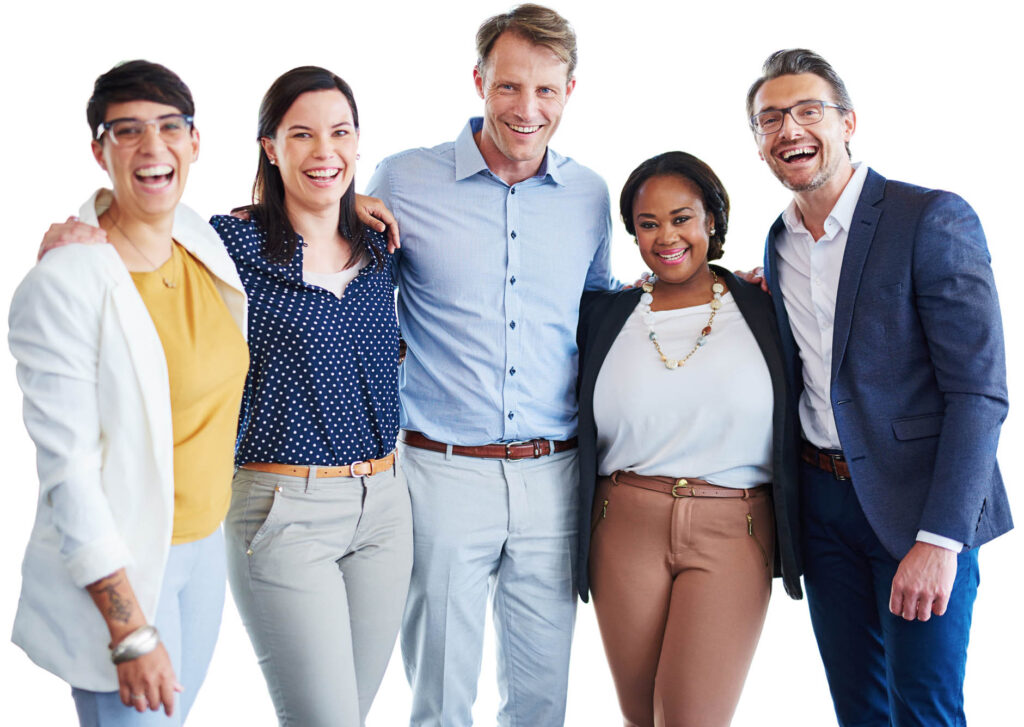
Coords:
602,315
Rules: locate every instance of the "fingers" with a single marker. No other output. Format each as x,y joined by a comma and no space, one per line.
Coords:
68,232
167,689
394,239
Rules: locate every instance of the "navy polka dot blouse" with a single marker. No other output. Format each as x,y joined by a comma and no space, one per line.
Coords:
322,387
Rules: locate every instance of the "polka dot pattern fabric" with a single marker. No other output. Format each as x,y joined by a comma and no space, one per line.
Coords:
322,387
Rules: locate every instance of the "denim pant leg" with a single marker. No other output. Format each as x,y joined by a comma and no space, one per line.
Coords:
188,618
881,670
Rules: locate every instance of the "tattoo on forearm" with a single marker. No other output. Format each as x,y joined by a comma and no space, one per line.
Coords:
118,608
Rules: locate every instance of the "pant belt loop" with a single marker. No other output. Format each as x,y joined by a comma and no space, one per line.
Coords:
448,452
551,446
311,478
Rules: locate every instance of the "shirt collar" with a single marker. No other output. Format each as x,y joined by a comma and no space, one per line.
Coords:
469,160
842,212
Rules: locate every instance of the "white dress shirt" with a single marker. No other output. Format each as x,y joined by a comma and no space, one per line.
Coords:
809,272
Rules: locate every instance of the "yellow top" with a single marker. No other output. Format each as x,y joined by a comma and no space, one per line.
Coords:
207,361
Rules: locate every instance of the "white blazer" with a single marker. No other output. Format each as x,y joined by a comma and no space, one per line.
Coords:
97,405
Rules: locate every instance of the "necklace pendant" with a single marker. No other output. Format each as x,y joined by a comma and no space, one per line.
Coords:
168,283
671,363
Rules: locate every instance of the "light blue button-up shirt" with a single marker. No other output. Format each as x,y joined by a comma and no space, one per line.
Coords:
490,277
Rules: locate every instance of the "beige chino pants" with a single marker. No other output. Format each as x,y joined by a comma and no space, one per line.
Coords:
681,588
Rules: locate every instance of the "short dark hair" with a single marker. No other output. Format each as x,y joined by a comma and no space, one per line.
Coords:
136,80
793,61
535,23
268,187
687,166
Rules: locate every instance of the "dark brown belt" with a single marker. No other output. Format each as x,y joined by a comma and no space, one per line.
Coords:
513,450
682,486
832,461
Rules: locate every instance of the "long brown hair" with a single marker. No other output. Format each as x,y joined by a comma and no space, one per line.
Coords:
268,188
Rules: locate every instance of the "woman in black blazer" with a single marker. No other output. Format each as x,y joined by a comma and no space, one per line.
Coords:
685,414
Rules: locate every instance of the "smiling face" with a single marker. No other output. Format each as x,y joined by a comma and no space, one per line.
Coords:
672,229
149,178
805,158
525,88
315,149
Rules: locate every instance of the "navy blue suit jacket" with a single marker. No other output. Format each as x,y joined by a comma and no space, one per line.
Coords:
918,368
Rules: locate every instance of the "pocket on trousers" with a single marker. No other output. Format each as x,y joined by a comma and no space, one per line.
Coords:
753,533
263,502
602,497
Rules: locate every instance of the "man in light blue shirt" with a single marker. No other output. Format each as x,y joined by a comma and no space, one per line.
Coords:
501,235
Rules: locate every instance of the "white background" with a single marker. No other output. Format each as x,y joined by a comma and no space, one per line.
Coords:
937,90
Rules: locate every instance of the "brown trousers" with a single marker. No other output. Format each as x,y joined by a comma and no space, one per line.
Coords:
681,588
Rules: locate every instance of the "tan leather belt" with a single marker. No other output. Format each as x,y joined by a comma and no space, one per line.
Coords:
832,461
361,468
682,486
513,450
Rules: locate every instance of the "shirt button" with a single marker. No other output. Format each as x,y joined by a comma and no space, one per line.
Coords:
512,325
513,190
512,371
512,280
511,415
513,234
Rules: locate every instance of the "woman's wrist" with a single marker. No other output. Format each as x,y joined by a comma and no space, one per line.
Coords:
137,643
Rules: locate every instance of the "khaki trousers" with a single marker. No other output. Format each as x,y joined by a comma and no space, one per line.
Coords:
681,588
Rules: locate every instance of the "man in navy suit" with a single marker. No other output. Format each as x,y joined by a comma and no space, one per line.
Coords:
888,310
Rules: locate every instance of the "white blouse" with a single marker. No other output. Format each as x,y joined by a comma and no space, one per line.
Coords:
710,419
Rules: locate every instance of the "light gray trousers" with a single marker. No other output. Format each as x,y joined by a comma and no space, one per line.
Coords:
319,569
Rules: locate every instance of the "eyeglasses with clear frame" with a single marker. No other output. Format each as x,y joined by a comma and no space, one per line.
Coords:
172,128
805,113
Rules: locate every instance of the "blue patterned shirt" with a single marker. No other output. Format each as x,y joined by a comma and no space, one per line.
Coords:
490,278
322,386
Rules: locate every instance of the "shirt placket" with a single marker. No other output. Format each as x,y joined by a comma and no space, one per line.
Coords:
824,313
513,324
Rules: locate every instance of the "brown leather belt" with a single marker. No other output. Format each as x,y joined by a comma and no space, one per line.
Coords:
832,461
533,448
362,468
682,486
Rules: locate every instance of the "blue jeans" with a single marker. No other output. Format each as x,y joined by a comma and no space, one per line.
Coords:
881,669
507,527
188,618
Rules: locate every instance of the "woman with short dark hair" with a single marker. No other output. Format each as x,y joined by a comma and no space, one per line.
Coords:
685,419
131,357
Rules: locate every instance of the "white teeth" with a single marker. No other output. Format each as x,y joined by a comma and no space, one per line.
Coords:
323,173
790,153
673,256
523,129
157,170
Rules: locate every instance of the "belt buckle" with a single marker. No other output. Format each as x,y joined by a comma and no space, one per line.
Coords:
684,484
833,458
352,468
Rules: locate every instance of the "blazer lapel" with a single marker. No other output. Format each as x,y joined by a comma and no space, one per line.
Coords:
858,243
605,335
149,364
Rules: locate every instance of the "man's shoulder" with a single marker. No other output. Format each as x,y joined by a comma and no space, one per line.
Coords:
575,173
895,192
420,157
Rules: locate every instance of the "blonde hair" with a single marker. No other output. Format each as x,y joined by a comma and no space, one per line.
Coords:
535,23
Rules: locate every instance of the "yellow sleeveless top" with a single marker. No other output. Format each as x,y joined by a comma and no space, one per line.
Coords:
207,361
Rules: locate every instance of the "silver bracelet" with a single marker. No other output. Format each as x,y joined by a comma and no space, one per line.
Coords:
138,643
